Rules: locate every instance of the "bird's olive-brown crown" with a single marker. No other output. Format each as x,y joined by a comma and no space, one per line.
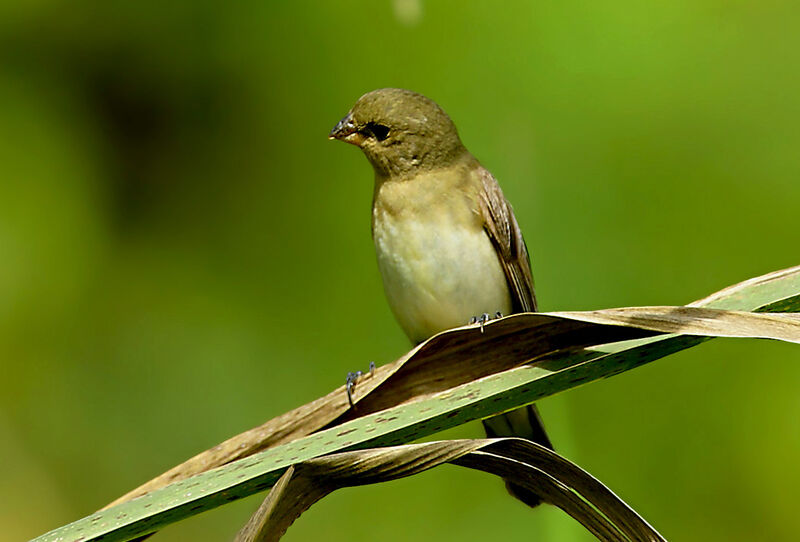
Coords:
400,132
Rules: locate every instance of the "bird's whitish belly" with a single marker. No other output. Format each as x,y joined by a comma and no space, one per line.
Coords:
437,273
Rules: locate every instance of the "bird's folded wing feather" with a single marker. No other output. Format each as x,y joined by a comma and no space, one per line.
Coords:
502,228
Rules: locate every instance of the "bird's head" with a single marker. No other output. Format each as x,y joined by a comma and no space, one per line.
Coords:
401,132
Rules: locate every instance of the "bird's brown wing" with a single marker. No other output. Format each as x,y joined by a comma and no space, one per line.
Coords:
503,230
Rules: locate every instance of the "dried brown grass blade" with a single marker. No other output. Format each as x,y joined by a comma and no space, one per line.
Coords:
556,479
462,355
696,321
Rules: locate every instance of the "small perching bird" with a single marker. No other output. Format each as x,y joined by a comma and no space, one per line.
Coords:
448,245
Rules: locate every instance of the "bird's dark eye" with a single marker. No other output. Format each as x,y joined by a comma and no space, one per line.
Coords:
380,131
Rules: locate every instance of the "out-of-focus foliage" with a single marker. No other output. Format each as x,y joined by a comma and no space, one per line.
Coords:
173,221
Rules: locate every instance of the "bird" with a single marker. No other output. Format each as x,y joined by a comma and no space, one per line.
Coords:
447,242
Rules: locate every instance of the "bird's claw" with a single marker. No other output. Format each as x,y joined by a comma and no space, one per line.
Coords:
352,378
485,317
350,383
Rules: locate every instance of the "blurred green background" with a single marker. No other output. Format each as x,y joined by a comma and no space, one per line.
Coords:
184,254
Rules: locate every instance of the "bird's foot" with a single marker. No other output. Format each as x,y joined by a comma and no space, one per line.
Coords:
352,378
485,317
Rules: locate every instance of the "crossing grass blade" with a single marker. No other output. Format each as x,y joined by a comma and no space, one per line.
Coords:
455,377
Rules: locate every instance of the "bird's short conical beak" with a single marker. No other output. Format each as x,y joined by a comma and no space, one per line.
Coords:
346,131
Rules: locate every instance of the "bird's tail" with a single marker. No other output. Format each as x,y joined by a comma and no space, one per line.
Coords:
523,422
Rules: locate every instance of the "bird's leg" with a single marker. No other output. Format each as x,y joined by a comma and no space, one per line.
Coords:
485,317
352,378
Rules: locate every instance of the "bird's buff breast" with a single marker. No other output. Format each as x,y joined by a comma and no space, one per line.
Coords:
439,268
